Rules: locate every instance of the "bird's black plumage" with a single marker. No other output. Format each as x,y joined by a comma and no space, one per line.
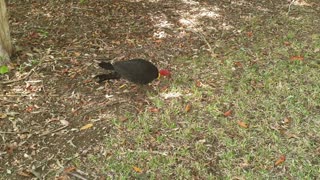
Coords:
138,71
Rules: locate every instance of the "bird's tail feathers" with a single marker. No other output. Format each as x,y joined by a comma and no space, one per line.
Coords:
104,77
106,65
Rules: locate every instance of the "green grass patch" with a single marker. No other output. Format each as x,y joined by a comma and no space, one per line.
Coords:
255,77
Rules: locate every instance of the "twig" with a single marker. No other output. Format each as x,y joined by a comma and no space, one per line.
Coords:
203,38
12,132
20,79
43,163
289,9
151,152
99,108
82,8
53,131
8,101
14,95
77,176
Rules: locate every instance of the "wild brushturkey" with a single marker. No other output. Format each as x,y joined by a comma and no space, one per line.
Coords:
138,71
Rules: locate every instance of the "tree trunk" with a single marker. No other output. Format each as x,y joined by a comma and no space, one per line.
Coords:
5,41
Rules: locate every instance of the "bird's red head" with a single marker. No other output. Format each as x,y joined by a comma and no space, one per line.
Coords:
164,72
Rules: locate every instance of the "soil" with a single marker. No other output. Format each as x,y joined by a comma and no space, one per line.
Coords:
58,44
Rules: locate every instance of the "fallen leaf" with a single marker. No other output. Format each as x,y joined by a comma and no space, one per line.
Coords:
164,88
24,173
116,42
123,86
64,122
170,95
87,126
65,71
108,96
69,169
123,118
75,61
227,113
238,64
3,115
286,120
242,124
286,43
34,35
290,135
154,110
158,41
29,109
199,83
62,177
4,69
87,81
187,108
280,160
250,34
10,148
77,54
296,58
137,169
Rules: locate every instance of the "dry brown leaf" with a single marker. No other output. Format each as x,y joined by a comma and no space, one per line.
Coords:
286,120
87,81
34,35
286,43
64,122
137,169
227,113
24,173
77,54
87,126
238,64
116,42
280,160
242,124
62,177
250,34
3,115
158,41
164,88
296,58
10,148
199,83
290,135
75,61
69,169
154,110
30,108
187,108
65,71
123,119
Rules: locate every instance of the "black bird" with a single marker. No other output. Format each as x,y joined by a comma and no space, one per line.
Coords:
138,71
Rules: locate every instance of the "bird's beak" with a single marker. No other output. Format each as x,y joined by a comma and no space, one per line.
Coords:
159,75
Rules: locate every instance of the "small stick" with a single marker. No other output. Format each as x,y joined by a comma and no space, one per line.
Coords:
12,132
53,131
289,9
20,79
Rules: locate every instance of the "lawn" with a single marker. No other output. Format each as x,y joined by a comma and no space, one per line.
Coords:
250,113
242,103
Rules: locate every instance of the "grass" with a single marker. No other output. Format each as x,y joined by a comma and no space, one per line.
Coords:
278,98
